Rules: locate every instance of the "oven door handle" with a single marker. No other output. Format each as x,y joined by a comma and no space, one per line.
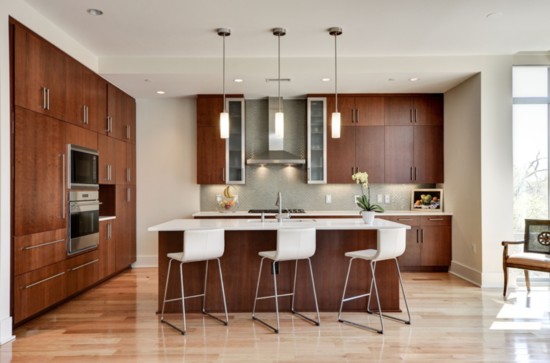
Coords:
85,203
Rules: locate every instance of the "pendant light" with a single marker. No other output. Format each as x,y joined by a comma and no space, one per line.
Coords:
279,116
336,119
224,116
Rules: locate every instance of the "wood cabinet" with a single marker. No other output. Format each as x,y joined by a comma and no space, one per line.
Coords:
107,148
121,121
39,173
82,271
360,147
363,110
220,161
429,242
40,70
316,140
80,136
125,235
107,248
422,109
414,154
37,250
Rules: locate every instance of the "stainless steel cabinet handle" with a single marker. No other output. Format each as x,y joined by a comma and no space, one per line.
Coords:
110,124
128,195
85,264
63,185
415,119
411,116
128,132
107,120
435,219
42,245
47,98
417,239
109,231
223,175
44,101
84,114
44,280
415,173
404,219
411,172
422,236
128,177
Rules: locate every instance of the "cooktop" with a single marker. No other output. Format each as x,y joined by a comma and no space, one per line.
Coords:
285,210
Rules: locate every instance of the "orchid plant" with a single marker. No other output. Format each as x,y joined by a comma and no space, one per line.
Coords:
363,201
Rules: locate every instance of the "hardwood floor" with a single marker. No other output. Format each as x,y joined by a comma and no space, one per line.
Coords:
451,321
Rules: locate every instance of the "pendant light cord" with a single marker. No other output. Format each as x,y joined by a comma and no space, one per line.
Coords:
223,81
336,72
279,69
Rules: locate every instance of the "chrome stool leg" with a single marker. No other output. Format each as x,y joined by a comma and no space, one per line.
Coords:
318,322
204,310
254,317
162,320
344,299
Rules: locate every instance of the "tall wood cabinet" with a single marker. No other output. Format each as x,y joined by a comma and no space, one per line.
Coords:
220,161
57,101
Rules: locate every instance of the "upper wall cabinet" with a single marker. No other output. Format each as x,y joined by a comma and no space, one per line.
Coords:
361,110
41,71
220,161
121,115
422,109
316,140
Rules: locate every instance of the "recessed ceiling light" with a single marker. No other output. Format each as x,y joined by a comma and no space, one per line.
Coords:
494,15
414,79
238,80
146,80
94,12
326,79
160,92
391,79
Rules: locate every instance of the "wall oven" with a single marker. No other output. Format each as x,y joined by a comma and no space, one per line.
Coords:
83,221
83,168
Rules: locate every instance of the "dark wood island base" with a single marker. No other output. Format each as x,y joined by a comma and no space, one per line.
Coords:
241,263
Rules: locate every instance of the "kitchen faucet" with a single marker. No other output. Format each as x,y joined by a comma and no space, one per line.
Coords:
279,203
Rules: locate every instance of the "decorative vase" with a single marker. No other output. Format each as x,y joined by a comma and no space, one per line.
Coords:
368,217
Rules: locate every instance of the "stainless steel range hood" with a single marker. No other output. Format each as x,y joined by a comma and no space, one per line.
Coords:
276,154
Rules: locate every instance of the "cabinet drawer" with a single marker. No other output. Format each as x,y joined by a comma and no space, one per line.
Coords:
39,249
408,220
82,271
436,221
36,290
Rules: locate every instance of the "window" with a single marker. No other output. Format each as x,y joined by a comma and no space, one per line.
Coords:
530,131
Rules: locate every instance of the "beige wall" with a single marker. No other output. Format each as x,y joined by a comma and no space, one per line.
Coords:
463,176
166,168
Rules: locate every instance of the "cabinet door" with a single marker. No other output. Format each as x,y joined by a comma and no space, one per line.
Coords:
341,156
38,250
40,173
131,163
116,123
82,271
428,109
75,112
399,110
79,136
369,110
122,168
369,151
346,107
398,154
412,255
208,110
40,70
428,154
234,153
107,248
436,245
95,99
210,156
107,159
125,236
316,141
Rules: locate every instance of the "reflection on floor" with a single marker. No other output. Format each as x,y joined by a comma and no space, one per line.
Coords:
451,321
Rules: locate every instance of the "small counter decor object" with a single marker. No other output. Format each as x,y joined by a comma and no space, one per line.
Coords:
228,202
363,202
427,200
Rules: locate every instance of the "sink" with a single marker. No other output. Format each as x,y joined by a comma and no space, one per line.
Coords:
291,220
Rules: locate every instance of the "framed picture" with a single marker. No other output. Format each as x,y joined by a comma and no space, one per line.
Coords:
427,200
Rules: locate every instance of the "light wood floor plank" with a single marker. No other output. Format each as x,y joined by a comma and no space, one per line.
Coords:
451,321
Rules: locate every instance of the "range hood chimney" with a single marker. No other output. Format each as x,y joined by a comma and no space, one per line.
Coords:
276,155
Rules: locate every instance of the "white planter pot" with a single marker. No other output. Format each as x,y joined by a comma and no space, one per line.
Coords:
368,217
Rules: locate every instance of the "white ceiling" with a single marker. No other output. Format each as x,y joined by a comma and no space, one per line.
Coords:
147,45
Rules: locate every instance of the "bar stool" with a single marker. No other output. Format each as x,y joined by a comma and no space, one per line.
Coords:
198,245
391,244
292,244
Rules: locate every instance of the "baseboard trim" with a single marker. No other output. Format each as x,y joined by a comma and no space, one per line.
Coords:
466,273
6,333
146,261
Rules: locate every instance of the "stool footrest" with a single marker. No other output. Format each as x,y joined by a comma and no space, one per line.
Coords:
273,296
408,322
206,312
366,327
356,297
264,323
305,317
172,325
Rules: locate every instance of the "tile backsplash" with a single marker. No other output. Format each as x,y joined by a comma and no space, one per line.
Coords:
263,182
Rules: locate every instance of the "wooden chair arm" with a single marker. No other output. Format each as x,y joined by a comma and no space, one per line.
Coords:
505,243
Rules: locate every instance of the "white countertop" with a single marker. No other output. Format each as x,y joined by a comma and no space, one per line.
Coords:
345,213
256,224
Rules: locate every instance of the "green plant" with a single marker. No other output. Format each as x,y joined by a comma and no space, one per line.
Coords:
363,201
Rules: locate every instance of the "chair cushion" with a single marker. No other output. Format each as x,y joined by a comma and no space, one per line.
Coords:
530,259
269,254
364,254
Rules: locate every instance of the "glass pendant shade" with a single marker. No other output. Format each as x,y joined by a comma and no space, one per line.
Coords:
224,125
279,125
335,125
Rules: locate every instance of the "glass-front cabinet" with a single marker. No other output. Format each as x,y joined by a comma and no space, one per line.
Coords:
317,140
234,145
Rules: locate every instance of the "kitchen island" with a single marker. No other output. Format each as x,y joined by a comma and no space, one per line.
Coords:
244,238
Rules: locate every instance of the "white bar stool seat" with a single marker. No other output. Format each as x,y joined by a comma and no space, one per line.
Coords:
198,245
292,244
391,244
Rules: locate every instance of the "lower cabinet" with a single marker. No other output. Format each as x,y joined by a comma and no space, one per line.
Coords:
82,271
125,236
429,242
107,248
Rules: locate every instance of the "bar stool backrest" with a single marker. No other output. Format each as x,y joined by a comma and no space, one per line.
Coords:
295,244
201,245
391,243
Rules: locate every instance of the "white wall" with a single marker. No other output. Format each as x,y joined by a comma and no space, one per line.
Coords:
166,168
463,176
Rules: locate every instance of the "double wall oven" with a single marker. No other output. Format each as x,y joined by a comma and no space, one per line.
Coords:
83,199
